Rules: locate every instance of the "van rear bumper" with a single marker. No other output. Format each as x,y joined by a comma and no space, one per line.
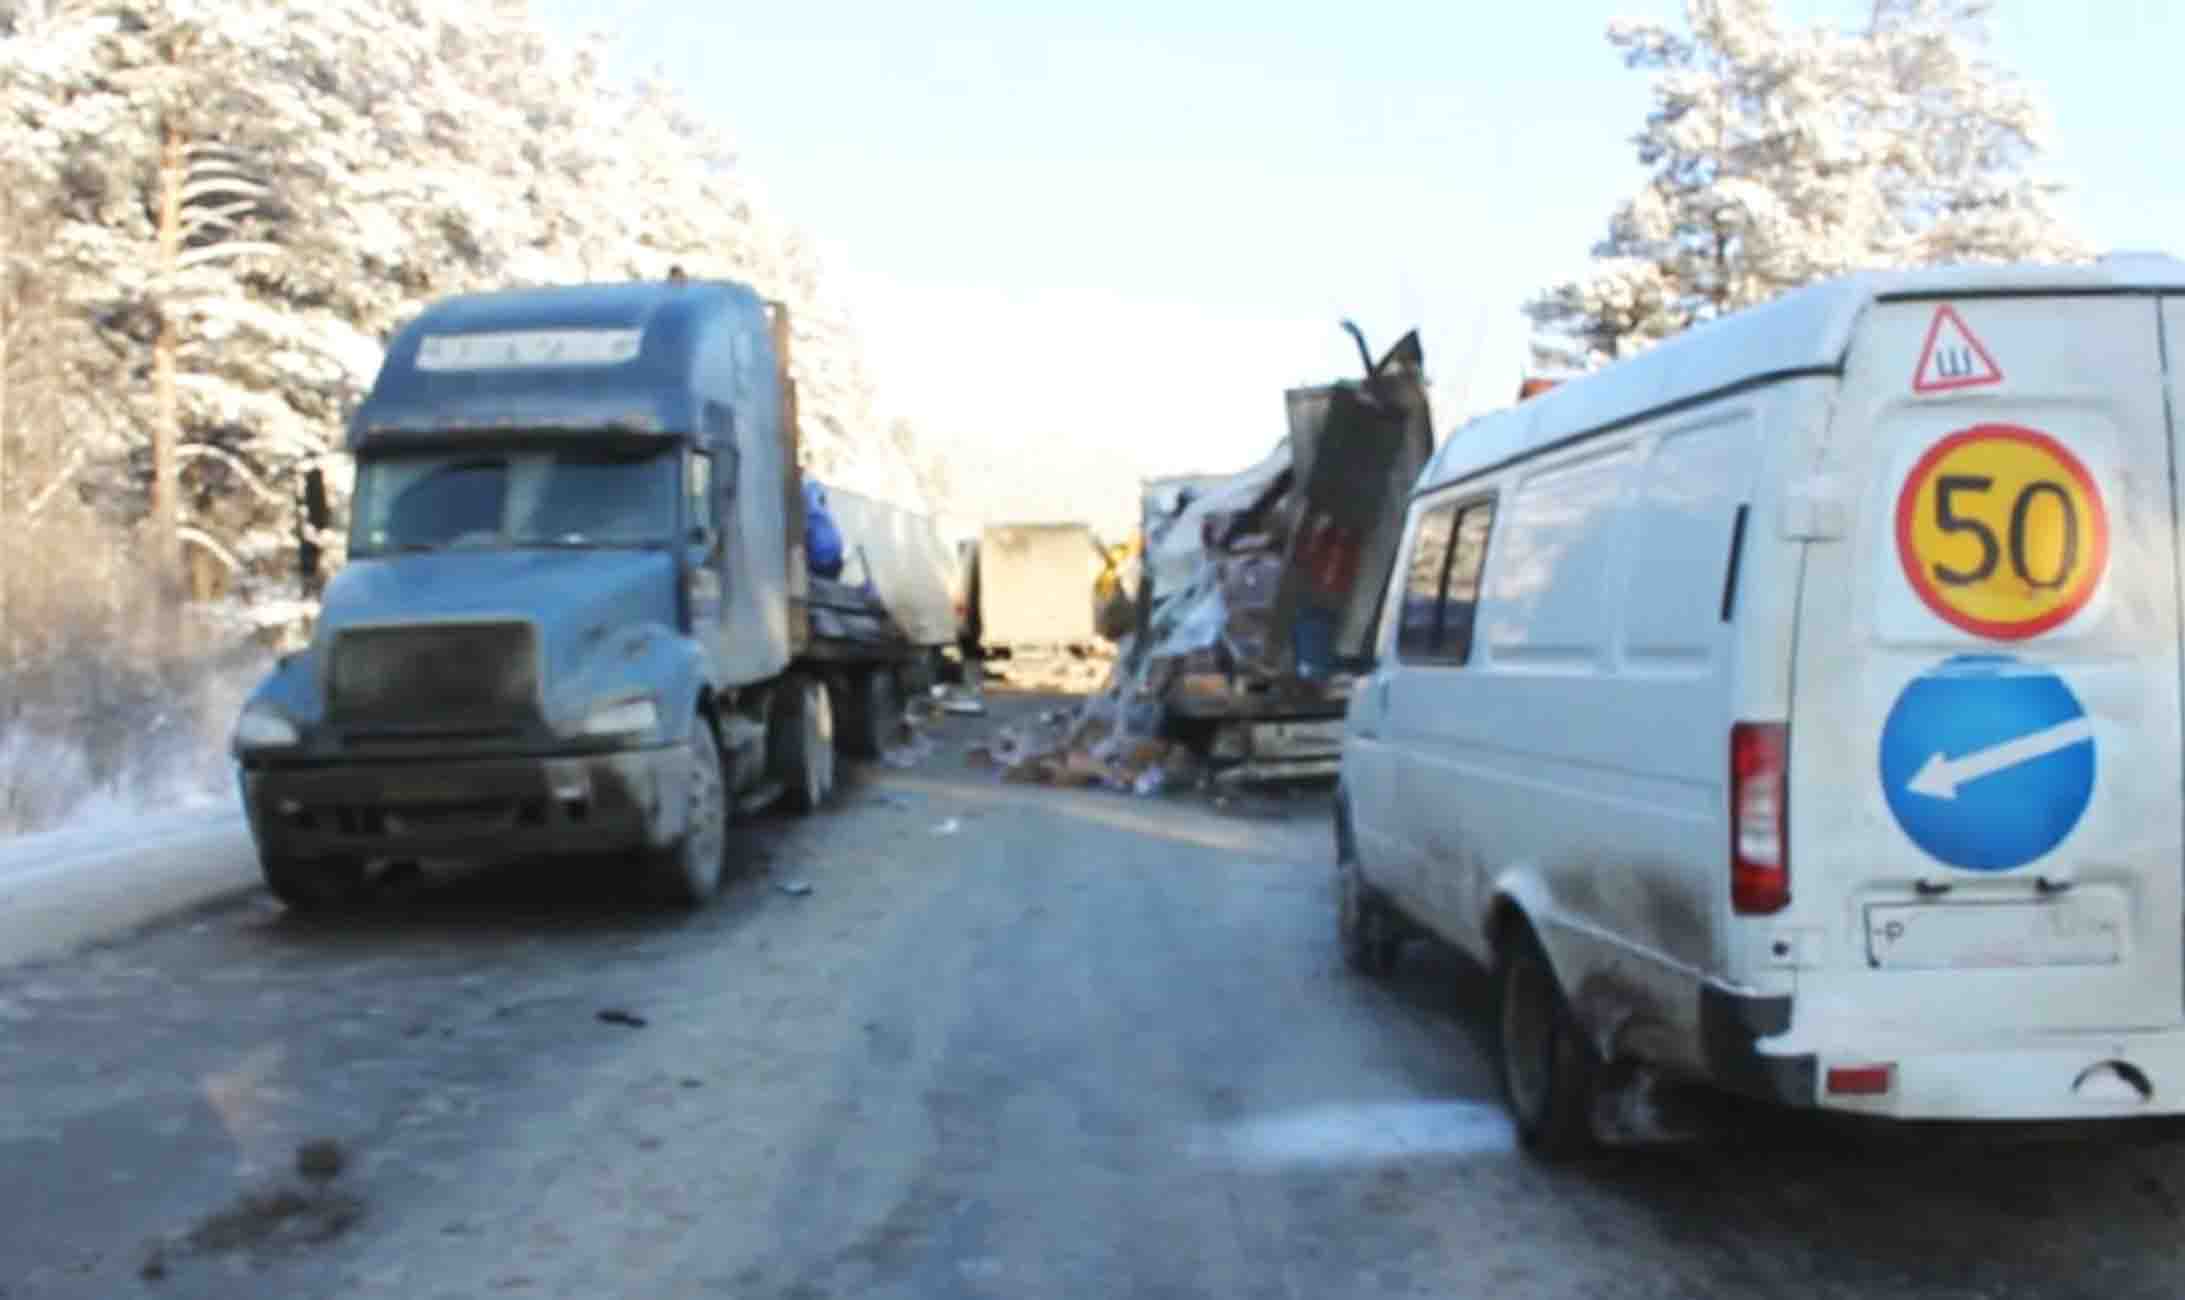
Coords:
2054,1077
1731,1027
2078,1076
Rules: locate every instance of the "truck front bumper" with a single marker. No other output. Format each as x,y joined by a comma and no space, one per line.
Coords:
476,809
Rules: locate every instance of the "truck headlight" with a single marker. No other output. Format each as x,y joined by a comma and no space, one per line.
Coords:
261,728
623,718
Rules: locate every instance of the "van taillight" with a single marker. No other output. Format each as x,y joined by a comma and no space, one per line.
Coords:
1759,798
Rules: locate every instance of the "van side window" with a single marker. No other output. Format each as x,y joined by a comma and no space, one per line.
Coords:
1421,612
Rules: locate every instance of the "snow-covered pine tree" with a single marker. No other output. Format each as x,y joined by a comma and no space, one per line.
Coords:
1777,156
254,194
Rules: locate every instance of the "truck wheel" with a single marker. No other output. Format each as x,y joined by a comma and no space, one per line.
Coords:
920,674
808,745
1548,1067
875,710
313,886
688,871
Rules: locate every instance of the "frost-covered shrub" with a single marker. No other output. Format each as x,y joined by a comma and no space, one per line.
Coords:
108,703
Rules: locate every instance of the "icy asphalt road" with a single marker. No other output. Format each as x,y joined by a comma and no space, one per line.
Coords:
1013,1043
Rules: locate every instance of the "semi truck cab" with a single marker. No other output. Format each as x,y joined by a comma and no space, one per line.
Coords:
574,619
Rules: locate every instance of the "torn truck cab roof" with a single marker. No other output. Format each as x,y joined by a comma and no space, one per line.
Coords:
640,357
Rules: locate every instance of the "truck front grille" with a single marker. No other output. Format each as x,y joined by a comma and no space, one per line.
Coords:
435,677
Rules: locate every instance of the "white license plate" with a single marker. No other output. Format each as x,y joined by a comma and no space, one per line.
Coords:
415,790
2081,930
1297,739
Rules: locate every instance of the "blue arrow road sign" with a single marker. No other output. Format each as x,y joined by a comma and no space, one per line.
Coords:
1987,762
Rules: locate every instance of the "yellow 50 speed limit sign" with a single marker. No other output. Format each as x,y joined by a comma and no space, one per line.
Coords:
2002,531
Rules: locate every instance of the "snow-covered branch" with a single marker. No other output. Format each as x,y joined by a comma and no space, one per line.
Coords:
205,541
60,480
243,473
213,254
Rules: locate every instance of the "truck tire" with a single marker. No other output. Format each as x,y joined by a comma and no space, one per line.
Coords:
807,744
313,886
922,673
687,872
1548,1067
876,708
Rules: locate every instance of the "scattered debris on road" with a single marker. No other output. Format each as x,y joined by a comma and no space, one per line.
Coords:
264,1218
949,827
1093,745
614,1016
1078,670
321,1159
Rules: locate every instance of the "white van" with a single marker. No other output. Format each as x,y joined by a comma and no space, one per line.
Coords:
1795,707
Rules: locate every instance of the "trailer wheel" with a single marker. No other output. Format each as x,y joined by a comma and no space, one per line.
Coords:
808,744
1548,1067
313,886
876,707
688,872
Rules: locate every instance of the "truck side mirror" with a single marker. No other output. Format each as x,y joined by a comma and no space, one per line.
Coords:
315,515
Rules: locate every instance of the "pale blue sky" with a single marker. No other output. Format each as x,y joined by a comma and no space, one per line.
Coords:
1138,222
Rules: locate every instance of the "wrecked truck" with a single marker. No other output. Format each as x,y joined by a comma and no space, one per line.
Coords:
577,616
1259,592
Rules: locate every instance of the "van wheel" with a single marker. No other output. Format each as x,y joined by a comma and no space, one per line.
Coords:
313,886
1365,924
875,710
688,872
1548,1068
808,744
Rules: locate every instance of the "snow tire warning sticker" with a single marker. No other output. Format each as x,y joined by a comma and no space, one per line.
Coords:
1952,358
2002,531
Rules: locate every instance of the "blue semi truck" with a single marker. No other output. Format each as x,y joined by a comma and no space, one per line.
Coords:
577,616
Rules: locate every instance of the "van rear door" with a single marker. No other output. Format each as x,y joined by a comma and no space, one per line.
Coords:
1984,787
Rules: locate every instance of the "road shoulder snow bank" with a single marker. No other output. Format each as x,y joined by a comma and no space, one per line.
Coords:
62,890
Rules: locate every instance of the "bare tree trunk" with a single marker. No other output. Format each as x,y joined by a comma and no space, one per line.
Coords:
166,418
7,361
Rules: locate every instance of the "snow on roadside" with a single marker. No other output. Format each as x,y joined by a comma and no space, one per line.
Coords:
176,761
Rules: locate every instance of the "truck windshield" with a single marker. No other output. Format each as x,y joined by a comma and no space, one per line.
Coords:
423,500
